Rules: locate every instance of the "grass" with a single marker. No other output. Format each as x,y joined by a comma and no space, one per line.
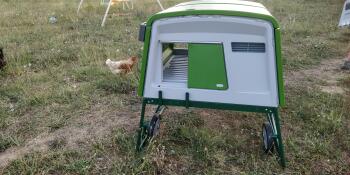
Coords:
309,35
56,81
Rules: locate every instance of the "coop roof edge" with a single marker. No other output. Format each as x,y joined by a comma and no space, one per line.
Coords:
235,2
215,7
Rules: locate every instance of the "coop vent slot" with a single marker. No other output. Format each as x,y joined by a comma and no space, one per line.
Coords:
177,69
175,62
248,47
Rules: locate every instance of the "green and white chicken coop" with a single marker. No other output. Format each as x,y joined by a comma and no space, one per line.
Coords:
221,54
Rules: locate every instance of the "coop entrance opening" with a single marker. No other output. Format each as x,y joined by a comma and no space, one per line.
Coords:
175,62
197,65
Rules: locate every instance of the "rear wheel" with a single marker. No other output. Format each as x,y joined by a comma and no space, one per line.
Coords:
154,126
268,138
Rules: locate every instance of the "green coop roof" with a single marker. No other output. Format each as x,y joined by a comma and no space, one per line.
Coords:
217,7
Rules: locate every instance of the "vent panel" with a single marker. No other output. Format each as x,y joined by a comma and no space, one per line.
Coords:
177,69
248,47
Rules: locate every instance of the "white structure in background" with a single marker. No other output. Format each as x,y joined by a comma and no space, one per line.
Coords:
79,7
345,17
126,3
160,4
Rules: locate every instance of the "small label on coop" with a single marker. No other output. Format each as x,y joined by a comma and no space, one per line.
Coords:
219,85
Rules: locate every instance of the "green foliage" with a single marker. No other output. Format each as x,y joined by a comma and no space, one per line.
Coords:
7,142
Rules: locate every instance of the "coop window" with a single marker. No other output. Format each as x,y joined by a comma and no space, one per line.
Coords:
248,47
175,62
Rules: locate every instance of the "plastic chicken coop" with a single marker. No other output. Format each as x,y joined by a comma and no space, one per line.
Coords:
221,54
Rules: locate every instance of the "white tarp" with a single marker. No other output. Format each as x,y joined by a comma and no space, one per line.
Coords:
345,16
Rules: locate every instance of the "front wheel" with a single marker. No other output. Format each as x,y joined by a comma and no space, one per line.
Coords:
154,126
268,138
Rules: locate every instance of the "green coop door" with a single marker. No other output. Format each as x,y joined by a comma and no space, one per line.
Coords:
206,67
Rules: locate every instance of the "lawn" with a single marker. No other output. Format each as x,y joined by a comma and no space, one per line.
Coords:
63,112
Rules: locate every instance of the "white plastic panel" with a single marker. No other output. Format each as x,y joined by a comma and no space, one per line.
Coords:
345,16
252,77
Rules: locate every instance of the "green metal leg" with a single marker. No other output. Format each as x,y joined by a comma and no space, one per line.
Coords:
279,145
141,130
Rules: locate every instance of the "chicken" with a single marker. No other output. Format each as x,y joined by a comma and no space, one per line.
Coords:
121,67
2,59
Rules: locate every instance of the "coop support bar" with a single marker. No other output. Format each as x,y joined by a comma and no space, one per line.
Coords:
280,145
141,127
160,96
187,100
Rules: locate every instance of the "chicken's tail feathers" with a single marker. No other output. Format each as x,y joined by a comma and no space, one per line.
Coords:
108,61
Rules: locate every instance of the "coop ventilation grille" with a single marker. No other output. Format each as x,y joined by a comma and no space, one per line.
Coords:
248,47
177,69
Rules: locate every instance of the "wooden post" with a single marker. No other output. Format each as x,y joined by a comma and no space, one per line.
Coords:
106,14
80,4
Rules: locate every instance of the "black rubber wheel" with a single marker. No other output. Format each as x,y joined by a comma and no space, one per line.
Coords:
154,126
267,136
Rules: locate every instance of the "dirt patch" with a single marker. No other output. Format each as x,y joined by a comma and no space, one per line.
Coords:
82,130
36,145
332,89
326,76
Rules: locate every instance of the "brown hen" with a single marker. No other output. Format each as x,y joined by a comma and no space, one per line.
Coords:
123,66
